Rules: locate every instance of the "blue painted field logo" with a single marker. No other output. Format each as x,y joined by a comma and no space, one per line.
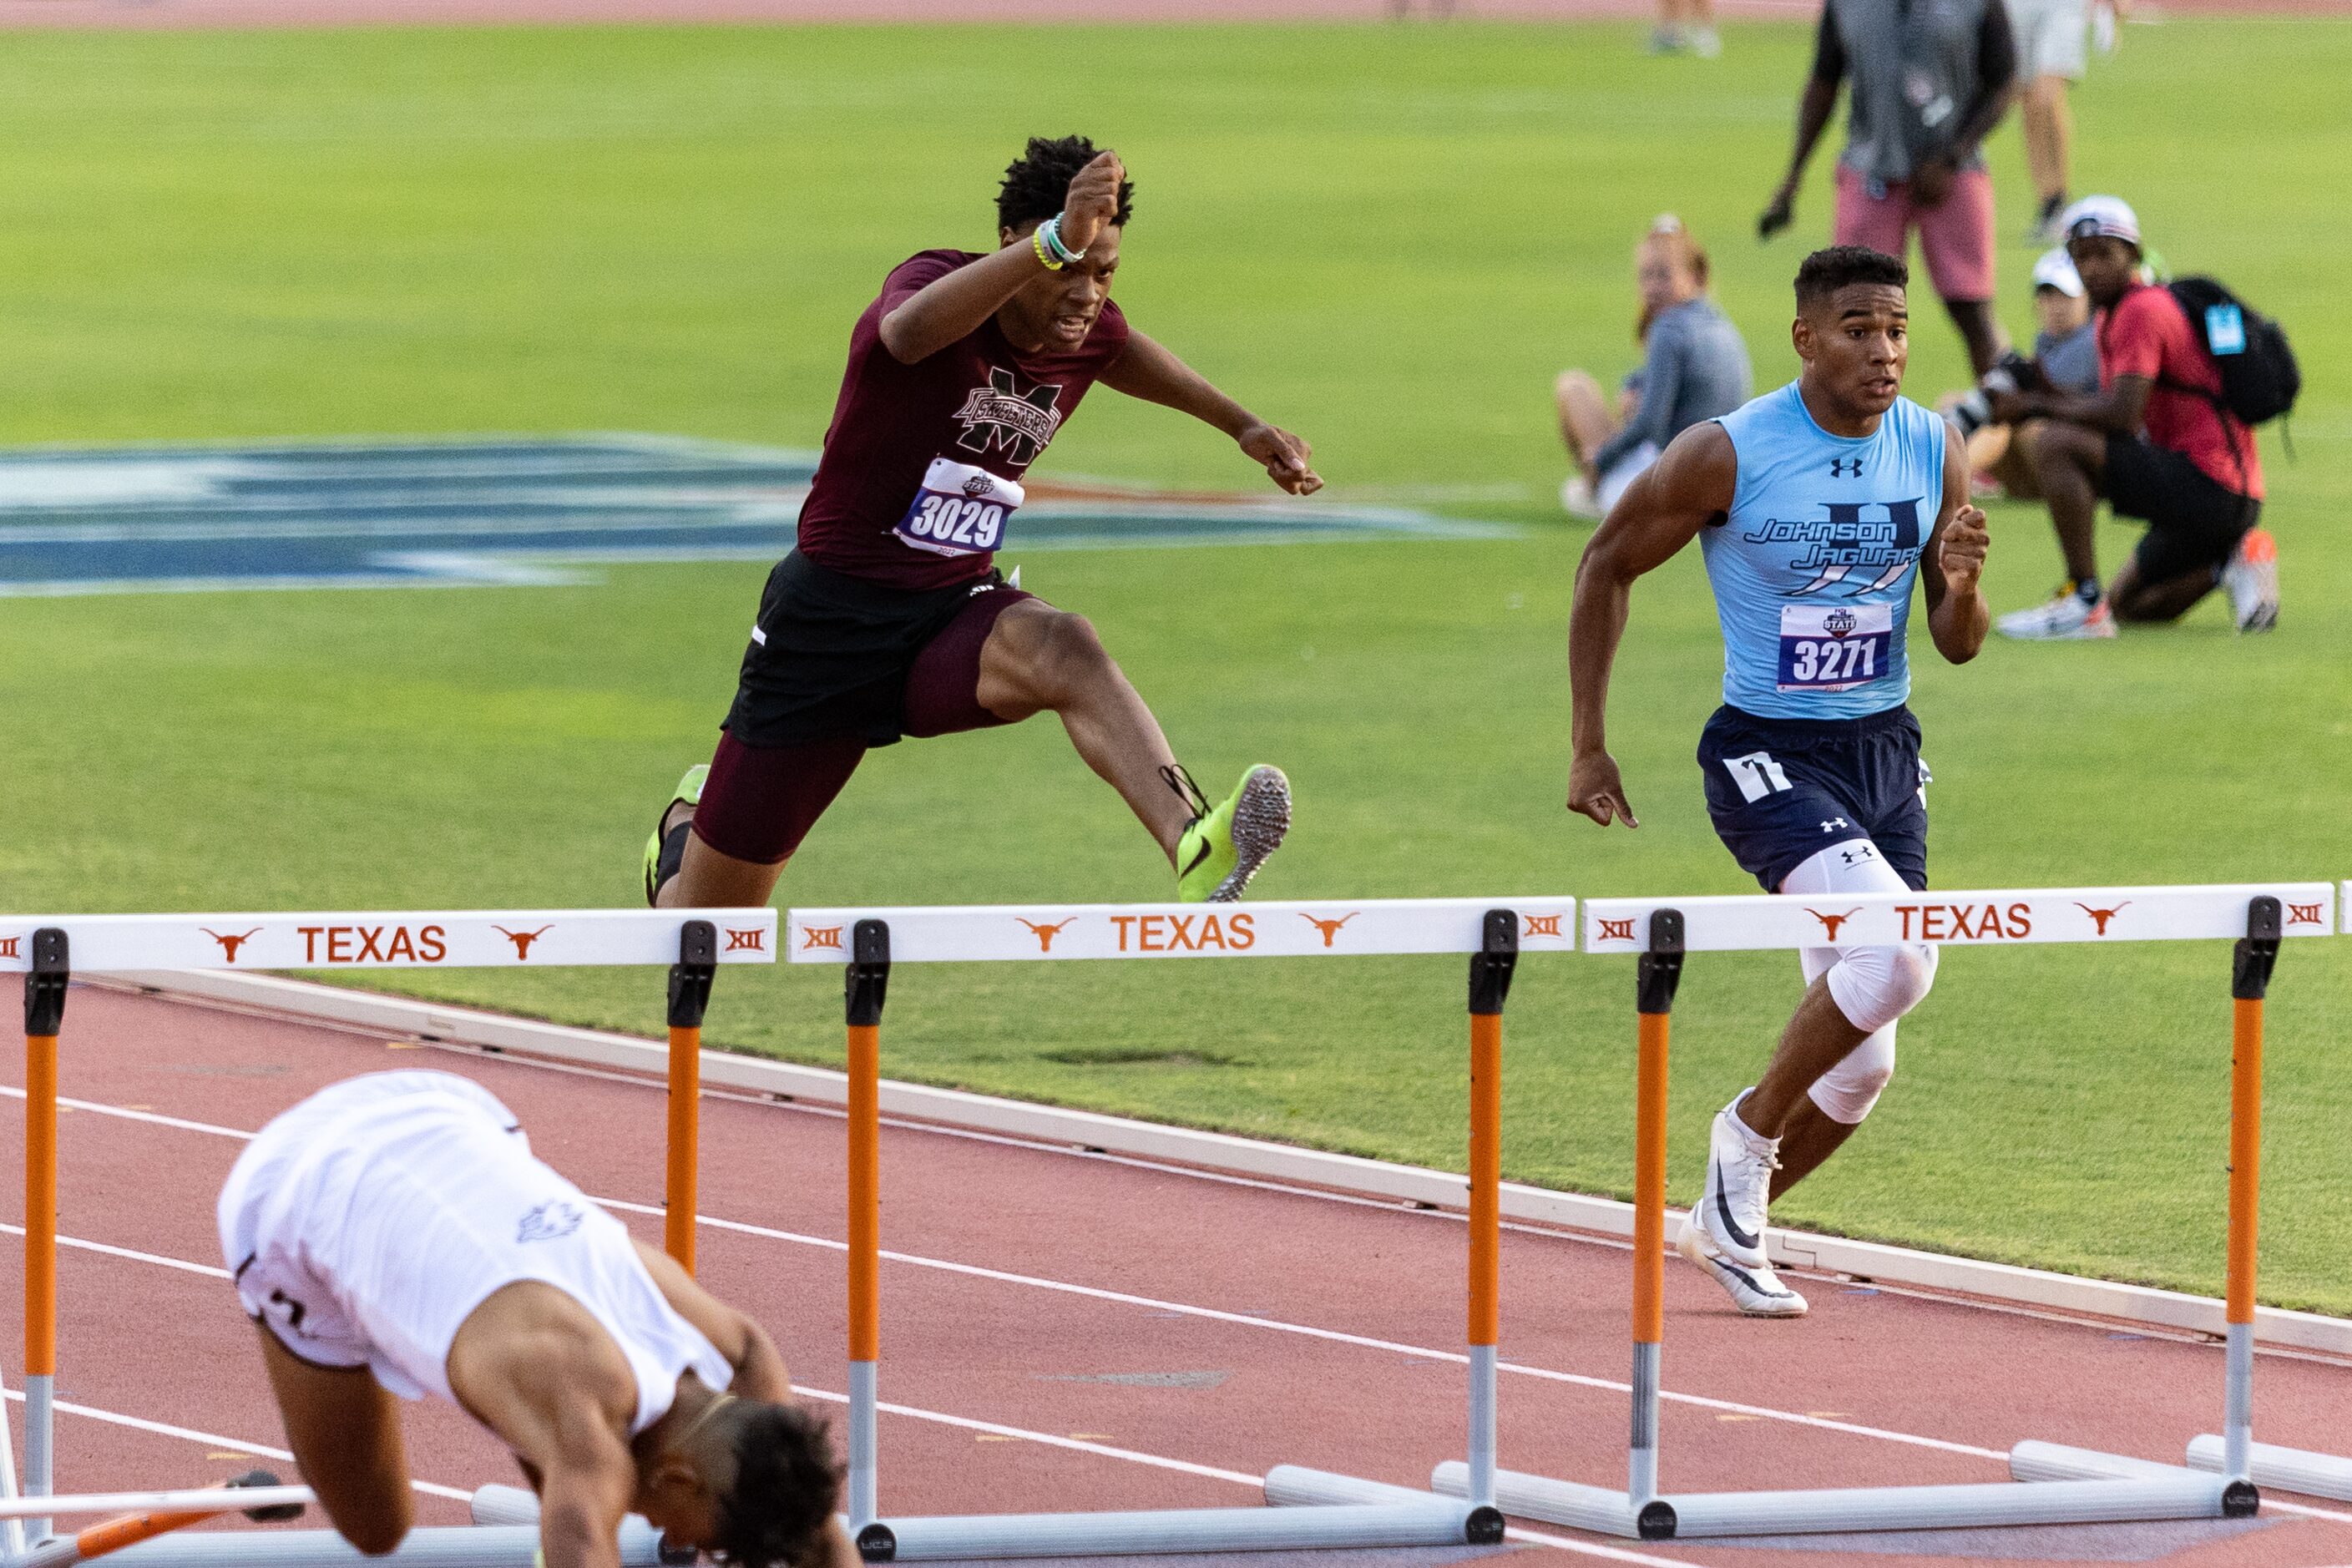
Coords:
550,1221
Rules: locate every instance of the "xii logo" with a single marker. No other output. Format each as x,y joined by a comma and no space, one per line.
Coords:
1541,925
752,941
1617,931
814,937
8,946
2303,915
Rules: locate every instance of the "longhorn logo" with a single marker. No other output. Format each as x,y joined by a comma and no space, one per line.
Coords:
2303,915
752,941
1045,934
523,939
2100,918
1542,925
1617,931
1829,923
1330,928
229,944
814,937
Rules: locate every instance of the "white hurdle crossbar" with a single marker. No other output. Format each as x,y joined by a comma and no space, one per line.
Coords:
1350,1514
50,948
2072,1486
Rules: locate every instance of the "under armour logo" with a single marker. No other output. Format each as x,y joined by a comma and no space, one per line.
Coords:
1845,468
1834,823
1858,855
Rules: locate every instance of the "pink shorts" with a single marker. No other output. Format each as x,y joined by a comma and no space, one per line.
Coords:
1956,237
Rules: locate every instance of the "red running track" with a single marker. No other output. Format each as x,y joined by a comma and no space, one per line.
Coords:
1068,1330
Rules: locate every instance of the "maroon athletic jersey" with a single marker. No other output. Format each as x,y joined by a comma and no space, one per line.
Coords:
978,402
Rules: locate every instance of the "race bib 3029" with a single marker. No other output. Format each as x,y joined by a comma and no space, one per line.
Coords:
1833,647
959,511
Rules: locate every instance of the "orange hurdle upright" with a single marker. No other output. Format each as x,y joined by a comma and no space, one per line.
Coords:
864,986
44,1011
1660,972
1490,985
689,998
2253,959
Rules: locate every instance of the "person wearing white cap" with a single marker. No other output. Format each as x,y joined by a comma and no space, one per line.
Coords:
2065,358
2158,441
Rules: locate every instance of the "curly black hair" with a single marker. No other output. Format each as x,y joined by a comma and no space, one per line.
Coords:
1826,271
1036,183
786,1489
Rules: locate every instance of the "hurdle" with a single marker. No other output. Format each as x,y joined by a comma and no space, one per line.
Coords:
2071,1486
868,943
50,950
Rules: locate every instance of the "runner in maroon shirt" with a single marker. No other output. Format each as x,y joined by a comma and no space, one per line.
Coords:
890,619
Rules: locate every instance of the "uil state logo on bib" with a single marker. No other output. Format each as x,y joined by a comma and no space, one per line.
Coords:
1833,647
961,509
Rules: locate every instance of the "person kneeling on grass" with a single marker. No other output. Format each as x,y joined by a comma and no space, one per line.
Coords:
2065,359
1694,369
393,1234
2158,442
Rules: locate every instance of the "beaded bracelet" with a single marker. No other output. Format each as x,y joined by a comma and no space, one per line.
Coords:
1052,230
1037,243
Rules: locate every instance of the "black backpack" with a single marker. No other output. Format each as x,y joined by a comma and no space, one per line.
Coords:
2260,378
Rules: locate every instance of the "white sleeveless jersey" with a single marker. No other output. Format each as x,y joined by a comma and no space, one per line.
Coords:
366,1223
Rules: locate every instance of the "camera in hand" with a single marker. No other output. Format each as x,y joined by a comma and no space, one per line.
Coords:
2011,372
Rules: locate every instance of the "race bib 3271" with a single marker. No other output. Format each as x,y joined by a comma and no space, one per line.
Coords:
959,511
1833,647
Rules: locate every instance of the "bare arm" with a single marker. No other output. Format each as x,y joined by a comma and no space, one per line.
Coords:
1958,615
1812,118
759,1365
951,308
590,1478
1662,511
2121,408
1150,371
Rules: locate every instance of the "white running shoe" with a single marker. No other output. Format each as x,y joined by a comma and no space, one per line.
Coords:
2251,579
2065,618
1739,1188
1577,500
1756,1291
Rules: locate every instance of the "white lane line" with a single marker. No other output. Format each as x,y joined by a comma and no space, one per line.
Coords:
1186,1466
155,1257
1335,1336
260,1450
1332,1336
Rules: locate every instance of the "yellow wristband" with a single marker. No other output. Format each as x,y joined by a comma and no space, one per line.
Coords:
1037,243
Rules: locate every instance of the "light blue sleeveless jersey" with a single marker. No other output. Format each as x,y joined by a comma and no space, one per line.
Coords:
1812,572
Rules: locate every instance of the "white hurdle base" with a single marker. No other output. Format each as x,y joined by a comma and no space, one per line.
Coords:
1368,1514
459,1546
2289,1469
2171,1493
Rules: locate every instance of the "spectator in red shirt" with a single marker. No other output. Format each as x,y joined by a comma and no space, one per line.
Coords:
2157,443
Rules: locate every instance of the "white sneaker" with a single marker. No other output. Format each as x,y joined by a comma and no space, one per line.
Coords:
2064,618
1706,43
1577,500
1756,1291
1739,1187
2251,579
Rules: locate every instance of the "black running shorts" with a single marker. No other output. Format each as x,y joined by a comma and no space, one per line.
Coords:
2193,521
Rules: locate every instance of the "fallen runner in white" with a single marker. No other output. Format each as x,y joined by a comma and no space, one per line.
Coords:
393,1234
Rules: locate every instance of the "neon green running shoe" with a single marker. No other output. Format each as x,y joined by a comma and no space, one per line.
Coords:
1223,848
664,852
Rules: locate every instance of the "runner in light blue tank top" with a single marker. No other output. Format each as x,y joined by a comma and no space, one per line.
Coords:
1817,507
1813,573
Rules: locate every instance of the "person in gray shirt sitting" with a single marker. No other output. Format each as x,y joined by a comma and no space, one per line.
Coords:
2065,359
1694,368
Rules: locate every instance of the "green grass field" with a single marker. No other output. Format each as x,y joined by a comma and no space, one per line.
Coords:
1389,239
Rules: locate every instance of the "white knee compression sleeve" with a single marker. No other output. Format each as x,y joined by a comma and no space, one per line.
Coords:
1872,986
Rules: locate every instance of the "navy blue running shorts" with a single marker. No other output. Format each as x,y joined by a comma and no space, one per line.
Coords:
1780,790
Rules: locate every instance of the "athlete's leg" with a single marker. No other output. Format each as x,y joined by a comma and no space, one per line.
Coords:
345,1429
757,805
2044,114
1956,240
1586,420
1980,330
1037,658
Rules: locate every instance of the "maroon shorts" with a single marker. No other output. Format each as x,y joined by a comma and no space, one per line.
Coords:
838,665
1956,235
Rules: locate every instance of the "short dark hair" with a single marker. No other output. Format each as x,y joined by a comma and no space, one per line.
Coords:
786,1489
1036,183
1826,271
